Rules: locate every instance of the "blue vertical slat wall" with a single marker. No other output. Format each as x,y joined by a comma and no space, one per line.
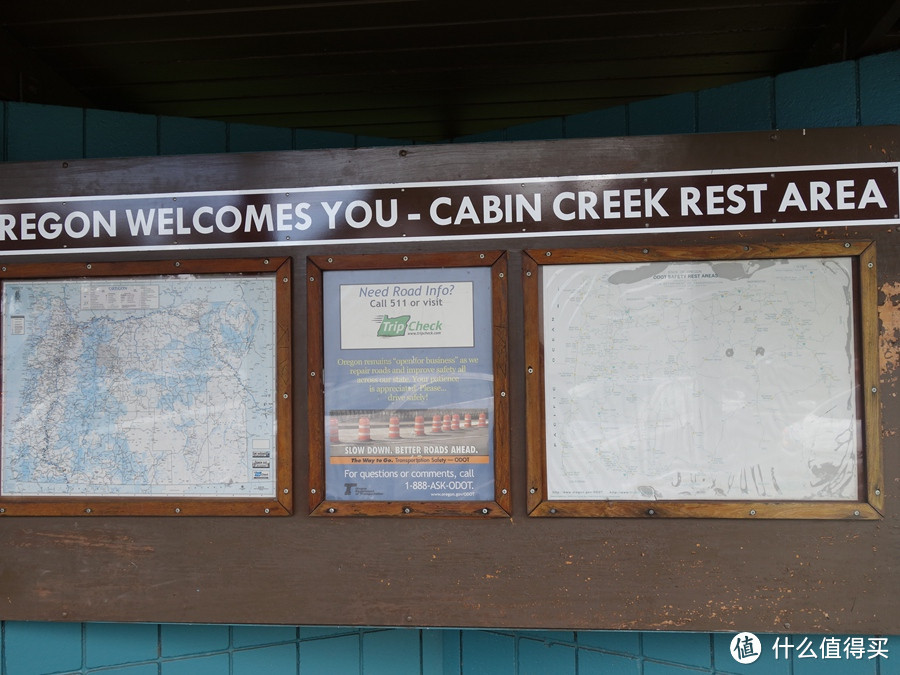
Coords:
864,92
114,134
810,94
35,132
170,649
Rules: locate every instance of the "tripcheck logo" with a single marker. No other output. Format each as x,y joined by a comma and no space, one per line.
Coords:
397,326
392,326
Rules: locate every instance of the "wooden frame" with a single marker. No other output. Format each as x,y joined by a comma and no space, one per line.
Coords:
153,500
869,501
496,324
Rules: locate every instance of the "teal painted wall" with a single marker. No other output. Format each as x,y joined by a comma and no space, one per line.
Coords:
864,92
167,649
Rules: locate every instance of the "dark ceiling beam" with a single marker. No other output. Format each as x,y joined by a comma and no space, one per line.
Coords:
26,77
411,68
858,29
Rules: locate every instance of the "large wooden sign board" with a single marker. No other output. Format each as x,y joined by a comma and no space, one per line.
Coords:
550,536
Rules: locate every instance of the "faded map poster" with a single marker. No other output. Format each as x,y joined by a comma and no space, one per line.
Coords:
730,380
145,386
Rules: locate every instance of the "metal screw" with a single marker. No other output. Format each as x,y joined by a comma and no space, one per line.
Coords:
847,244
501,275
651,512
504,491
88,265
646,250
406,509
312,373
2,510
856,513
527,274
484,511
87,510
877,492
313,491
177,510
331,260
285,490
533,490
266,261
177,264
552,510
502,394
481,255
548,254
871,265
752,512
874,390
311,279
267,510
284,396
331,510
405,258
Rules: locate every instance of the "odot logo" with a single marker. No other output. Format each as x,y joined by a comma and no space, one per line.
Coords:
745,648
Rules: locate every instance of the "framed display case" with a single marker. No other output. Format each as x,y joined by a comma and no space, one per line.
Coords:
726,381
146,388
407,385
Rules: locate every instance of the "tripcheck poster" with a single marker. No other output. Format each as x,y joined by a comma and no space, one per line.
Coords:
408,384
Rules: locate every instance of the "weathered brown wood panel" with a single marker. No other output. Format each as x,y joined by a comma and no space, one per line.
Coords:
688,574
